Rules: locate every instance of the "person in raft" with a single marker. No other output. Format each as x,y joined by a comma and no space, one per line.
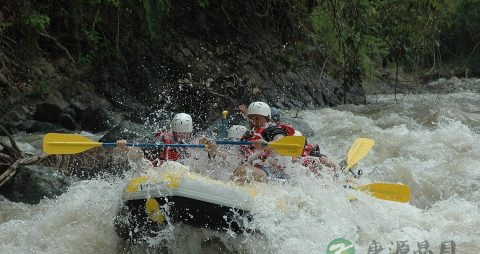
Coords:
262,130
181,133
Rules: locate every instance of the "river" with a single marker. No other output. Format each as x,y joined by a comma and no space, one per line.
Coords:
429,142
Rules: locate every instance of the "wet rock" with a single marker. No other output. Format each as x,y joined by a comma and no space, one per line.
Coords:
4,81
12,128
67,122
70,111
25,125
47,112
298,124
33,183
42,66
455,81
186,52
85,100
98,119
438,82
120,98
77,105
44,127
130,131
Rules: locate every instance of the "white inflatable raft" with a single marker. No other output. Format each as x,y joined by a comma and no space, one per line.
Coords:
173,195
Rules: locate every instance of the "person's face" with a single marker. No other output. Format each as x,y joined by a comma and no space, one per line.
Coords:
183,136
258,121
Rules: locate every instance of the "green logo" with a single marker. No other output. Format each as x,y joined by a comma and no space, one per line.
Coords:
340,246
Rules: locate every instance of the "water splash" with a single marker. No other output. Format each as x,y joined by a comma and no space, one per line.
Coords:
429,142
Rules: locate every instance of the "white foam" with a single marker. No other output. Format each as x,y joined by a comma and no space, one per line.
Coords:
428,142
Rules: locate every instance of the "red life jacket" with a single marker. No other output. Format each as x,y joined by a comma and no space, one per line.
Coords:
313,163
307,150
168,153
248,151
287,128
251,136
311,157
254,135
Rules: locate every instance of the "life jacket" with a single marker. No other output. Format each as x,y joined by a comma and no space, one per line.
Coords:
267,133
311,157
307,150
252,136
166,153
311,162
287,128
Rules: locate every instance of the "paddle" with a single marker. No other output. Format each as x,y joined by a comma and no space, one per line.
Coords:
358,150
223,133
287,146
396,192
386,191
58,143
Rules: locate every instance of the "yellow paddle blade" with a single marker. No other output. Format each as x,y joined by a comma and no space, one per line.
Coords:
224,114
388,191
289,145
58,143
358,150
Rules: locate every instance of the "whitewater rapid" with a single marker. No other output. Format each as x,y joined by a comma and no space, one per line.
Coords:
429,142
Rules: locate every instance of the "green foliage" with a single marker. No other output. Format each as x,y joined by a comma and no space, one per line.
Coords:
203,3
38,21
372,50
353,37
325,30
460,35
107,2
92,36
366,33
154,12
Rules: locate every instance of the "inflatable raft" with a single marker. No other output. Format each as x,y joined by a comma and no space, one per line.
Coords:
175,195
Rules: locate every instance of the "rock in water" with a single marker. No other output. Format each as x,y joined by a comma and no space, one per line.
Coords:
33,183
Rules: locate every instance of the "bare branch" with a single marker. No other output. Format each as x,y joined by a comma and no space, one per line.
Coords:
7,158
10,172
12,141
58,45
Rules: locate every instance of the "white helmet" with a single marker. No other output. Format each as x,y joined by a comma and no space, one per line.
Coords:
236,131
297,133
259,108
182,122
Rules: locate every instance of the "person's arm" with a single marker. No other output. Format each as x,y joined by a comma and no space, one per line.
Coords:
130,152
122,146
273,133
244,111
211,147
278,136
270,134
327,162
323,158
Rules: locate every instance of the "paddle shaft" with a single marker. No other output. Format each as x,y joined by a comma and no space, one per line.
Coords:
220,142
154,145
58,143
226,142
224,128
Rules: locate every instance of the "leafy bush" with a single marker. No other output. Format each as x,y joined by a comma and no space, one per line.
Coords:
38,21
